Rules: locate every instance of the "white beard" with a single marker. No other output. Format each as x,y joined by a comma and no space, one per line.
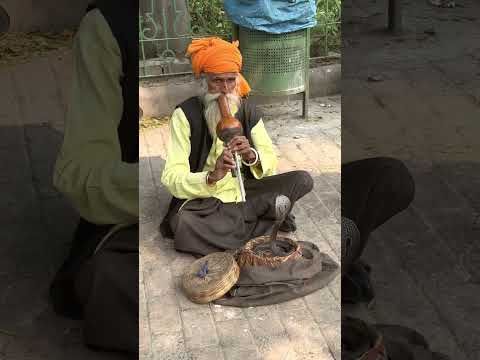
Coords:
212,110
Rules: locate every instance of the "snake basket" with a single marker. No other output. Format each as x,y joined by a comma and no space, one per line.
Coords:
257,252
210,277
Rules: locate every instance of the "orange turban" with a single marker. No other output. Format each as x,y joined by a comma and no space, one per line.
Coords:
214,55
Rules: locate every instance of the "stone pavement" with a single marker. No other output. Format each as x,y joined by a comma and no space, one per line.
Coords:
36,222
37,225
172,327
425,111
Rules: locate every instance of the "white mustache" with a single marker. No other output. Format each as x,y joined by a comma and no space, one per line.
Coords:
208,98
212,110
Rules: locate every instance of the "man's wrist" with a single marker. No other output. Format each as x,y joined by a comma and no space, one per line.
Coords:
252,159
251,156
209,179
212,178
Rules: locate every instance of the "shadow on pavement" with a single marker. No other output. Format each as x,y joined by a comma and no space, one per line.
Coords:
37,227
425,261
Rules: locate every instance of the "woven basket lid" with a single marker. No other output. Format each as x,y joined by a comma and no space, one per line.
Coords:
260,252
210,277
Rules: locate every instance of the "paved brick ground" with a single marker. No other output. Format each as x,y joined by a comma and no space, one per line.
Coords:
36,223
435,296
172,327
425,112
37,227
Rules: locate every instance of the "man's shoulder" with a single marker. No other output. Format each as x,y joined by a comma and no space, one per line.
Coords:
251,111
192,108
193,101
250,101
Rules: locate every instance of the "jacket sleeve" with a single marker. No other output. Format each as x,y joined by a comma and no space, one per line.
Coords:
264,146
89,170
176,176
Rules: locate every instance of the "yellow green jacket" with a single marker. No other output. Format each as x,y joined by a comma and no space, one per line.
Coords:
89,170
184,184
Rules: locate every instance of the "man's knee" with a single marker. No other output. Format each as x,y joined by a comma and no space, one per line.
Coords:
113,269
111,303
303,180
399,179
182,220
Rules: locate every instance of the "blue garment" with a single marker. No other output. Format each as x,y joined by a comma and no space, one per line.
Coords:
273,16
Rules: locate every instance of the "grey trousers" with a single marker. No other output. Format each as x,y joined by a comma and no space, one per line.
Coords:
373,191
204,226
101,288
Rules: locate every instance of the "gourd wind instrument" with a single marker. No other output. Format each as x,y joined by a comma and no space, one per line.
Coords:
226,129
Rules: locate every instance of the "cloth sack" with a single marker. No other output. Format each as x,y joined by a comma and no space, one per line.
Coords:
272,16
294,278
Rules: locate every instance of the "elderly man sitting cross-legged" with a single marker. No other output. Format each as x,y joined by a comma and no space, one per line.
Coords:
206,213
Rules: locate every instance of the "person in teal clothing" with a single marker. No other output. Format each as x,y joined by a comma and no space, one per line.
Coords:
97,172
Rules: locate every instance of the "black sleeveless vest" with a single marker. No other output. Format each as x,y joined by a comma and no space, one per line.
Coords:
201,142
122,19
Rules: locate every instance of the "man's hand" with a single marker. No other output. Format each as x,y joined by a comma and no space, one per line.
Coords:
224,164
241,145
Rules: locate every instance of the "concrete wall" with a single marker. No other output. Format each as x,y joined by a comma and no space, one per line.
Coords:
44,15
159,97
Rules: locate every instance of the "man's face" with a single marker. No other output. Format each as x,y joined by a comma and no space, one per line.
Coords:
225,83
217,84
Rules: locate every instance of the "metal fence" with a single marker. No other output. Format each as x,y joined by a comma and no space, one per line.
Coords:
168,26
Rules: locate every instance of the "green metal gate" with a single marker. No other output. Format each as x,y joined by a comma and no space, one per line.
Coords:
168,26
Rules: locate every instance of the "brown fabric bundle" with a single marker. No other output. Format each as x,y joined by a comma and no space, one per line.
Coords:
293,278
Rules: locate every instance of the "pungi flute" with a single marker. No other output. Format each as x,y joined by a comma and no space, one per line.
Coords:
226,129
